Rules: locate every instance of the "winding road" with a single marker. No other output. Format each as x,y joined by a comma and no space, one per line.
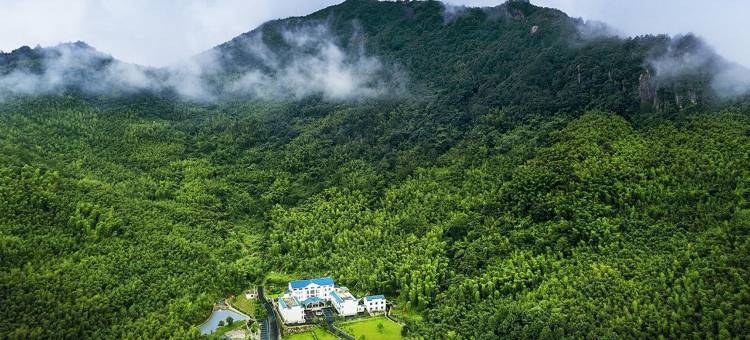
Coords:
332,328
273,331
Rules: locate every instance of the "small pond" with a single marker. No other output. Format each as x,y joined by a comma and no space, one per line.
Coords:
212,323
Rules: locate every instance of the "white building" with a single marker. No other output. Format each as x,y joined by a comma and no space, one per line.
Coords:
308,297
314,304
375,304
291,310
305,289
344,302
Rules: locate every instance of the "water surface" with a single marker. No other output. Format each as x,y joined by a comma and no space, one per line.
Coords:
212,323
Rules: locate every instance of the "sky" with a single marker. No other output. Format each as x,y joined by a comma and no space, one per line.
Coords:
162,32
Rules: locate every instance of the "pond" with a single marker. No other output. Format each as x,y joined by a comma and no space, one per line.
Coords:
212,323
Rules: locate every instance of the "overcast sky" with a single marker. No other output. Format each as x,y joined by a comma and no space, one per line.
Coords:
159,32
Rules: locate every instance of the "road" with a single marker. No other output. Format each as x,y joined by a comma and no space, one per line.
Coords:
332,328
273,332
264,329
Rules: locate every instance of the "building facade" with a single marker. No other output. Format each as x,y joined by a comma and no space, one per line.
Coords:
344,302
375,304
291,310
314,303
307,298
305,289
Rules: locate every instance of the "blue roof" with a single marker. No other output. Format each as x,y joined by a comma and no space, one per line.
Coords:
282,304
374,297
322,281
336,297
313,299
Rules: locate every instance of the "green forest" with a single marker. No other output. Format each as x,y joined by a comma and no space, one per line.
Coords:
525,185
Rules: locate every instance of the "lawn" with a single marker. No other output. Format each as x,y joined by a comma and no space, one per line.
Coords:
243,304
254,308
370,330
275,295
403,315
319,332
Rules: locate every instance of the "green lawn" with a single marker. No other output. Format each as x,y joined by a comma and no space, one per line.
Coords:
254,308
403,315
319,332
243,304
275,295
369,328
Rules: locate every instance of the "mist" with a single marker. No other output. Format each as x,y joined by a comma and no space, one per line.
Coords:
452,12
593,29
318,65
314,64
683,56
690,56
48,70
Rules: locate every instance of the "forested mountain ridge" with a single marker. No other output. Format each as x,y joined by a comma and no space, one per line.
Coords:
515,55
498,172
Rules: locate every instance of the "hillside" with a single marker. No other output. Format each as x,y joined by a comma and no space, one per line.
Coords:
517,56
504,172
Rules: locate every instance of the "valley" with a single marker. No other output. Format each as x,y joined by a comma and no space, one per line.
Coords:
496,173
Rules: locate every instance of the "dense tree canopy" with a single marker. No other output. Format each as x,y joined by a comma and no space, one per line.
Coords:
509,193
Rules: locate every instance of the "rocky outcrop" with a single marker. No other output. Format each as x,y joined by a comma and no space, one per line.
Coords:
646,90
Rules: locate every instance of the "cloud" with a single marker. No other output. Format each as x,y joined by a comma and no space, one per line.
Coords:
160,33
318,66
190,78
146,32
719,23
732,81
452,12
59,67
593,29
313,63
690,56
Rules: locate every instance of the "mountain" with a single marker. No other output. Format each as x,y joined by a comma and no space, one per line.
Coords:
500,172
75,67
36,60
515,55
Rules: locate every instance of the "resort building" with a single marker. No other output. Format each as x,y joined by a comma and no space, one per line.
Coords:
314,303
375,304
306,298
305,289
344,302
291,310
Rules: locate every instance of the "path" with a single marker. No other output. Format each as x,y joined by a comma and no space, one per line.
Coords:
272,326
388,315
331,328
